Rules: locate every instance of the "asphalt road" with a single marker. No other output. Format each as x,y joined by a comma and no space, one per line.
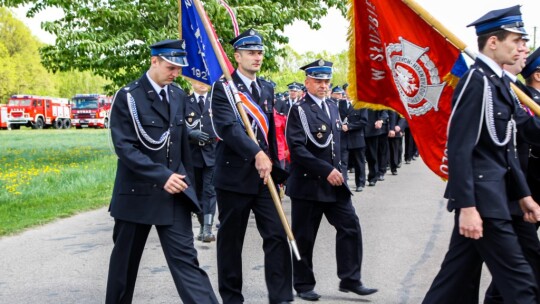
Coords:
404,222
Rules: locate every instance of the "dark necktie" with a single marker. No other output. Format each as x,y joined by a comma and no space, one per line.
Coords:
255,92
201,103
323,107
164,99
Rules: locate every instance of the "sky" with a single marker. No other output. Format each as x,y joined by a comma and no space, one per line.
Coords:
332,37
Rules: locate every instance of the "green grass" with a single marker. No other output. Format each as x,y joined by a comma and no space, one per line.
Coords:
50,174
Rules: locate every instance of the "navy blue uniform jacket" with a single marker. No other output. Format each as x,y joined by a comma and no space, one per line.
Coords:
203,153
138,194
357,121
311,165
483,174
235,156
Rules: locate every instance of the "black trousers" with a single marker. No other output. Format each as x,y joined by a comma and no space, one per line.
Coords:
359,161
306,218
176,240
394,144
410,145
372,157
528,240
234,209
499,249
205,189
383,154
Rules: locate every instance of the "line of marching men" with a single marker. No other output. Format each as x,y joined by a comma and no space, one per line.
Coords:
153,122
180,154
372,137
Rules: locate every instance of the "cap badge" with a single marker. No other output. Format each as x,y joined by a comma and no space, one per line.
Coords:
321,62
323,127
319,135
252,32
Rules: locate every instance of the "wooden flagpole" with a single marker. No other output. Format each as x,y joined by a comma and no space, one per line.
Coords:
245,120
420,11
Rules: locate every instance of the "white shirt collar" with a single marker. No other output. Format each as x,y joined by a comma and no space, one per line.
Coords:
492,64
156,86
246,80
197,96
317,100
511,76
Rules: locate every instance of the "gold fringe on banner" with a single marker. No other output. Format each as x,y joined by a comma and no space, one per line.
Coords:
351,77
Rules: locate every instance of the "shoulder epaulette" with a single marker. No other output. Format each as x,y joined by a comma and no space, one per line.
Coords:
131,86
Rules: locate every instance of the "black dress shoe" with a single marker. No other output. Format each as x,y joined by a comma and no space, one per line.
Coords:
380,178
394,172
283,302
309,295
359,290
359,189
371,184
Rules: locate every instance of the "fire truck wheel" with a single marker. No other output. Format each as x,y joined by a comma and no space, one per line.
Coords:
39,123
58,123
66,124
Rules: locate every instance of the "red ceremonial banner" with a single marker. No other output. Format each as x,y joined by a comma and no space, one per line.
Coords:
399,61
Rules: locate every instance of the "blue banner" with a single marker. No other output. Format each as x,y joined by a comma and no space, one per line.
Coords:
203,64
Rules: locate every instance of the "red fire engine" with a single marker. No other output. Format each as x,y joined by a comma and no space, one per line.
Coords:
3,116
38,112
90,110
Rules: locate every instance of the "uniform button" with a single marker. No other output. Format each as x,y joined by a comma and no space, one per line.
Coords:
499,113
227,163
245,159
153,122
509,168
480,176
305,174
170,160
171,125
132,190
171,143
154,186
507,150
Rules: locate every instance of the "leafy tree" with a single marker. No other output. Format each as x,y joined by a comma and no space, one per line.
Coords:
7,73
21,71
76,82
111,37
289,67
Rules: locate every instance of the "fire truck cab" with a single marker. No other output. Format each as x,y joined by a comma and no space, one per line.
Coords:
38,112
90,110
3,116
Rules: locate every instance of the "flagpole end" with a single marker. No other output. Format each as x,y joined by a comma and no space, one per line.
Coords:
295,250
